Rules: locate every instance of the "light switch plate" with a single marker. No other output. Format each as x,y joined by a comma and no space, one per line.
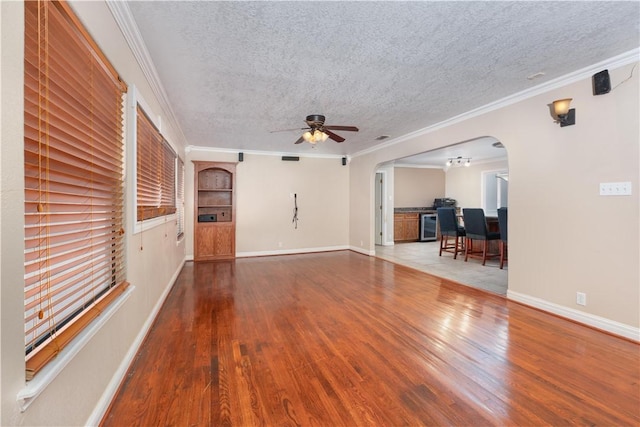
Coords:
615,188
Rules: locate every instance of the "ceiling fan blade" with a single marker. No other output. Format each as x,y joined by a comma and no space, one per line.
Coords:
287,130
347,128
299,140
336,138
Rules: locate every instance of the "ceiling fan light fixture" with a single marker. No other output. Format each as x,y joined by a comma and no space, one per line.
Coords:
314,136
319,136
315,132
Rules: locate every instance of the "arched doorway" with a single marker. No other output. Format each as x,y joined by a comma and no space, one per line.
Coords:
469,185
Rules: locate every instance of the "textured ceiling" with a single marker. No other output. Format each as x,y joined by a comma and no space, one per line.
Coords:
234,71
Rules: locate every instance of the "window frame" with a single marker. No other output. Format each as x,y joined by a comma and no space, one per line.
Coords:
57,130
493,190
180,206
134,98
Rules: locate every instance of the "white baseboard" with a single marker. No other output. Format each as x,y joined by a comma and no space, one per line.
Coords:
611,326
291,251
108,394
362,251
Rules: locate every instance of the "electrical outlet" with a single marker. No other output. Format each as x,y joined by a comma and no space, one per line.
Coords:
615,188
581,298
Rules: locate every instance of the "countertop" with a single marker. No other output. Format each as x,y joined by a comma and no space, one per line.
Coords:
415,210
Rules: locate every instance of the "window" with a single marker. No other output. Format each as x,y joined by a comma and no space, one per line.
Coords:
74,181
155,171
495,190
180,197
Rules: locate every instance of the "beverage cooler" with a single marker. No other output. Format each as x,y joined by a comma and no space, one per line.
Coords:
428,227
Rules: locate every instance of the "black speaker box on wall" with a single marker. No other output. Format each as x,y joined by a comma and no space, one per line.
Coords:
344,161
240,157
601,83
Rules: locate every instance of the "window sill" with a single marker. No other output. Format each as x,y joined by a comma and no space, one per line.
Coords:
46,376
148,224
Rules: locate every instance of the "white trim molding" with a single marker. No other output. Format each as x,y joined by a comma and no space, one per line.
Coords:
362,251
200,149
129,29
607,325
112,388
39,383
611,63
291,251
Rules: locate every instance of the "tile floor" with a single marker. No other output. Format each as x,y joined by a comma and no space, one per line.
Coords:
423,256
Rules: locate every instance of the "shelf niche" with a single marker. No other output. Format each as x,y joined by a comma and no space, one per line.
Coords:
214,222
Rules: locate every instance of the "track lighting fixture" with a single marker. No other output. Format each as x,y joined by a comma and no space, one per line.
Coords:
459,161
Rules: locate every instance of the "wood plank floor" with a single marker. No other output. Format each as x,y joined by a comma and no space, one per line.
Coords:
342,339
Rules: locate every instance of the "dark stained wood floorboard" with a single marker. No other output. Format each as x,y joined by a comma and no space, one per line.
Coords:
341,339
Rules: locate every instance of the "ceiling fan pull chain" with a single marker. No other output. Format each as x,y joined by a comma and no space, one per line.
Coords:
295,210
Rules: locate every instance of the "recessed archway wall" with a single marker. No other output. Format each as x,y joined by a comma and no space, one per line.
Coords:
558,242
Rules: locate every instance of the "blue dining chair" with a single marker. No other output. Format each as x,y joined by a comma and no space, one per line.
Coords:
449,227
475,225
502,224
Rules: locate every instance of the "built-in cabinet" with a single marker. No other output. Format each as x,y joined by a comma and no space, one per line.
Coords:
406,227
215,214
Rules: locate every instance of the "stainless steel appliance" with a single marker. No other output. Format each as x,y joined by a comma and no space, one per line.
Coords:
444,202
428,227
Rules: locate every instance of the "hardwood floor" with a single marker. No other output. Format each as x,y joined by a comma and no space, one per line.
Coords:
340,338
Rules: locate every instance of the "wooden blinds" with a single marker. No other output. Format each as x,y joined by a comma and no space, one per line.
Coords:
74,179
180,196
156,165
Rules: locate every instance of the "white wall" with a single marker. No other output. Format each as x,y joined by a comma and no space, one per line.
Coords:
264,203
11,209
563,237
417,187
86,383
465,184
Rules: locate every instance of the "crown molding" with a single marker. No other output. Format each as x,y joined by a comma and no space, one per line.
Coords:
127,25
197,148
129,29
618,61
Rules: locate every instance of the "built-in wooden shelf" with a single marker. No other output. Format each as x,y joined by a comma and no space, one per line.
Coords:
214,222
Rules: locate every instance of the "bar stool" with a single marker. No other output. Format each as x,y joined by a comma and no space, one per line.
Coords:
475,225
448,222
502,224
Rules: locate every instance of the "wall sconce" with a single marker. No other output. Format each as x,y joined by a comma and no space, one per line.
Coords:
565,116
459,161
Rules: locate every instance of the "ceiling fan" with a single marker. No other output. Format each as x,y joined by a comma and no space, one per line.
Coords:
317,131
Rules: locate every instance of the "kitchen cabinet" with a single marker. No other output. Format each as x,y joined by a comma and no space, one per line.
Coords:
406,227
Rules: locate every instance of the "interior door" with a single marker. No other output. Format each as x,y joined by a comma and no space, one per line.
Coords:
378,208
